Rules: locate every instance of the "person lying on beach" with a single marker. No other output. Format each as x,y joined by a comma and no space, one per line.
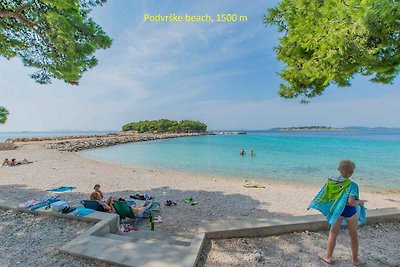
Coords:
339,199
6,162
106,205
138,210
25,161
14,162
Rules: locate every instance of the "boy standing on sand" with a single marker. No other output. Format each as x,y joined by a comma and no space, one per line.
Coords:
339,199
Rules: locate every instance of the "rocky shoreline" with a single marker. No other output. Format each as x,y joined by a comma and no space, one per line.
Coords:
78,143
59,138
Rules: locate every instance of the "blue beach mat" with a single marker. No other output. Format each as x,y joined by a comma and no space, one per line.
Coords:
44,204
61,189
38,203
80,212
130,202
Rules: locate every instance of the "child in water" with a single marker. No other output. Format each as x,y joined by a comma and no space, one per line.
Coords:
338,200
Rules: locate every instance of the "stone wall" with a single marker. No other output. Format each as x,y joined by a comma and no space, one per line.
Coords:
82,144
57,138
7,146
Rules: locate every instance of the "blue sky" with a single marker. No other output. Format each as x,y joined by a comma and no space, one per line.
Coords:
221,73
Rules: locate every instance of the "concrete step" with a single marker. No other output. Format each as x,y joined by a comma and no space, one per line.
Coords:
152,237
130,253
118,237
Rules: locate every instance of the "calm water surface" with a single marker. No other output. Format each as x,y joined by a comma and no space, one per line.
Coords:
301,156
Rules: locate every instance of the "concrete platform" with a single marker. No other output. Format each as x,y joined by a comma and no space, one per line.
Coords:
286,224
159,249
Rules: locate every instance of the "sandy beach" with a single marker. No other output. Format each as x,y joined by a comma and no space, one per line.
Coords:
218,198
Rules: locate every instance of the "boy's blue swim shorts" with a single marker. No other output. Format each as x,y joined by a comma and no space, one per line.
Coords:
348,211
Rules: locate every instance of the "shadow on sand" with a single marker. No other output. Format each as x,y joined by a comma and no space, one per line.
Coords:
182,218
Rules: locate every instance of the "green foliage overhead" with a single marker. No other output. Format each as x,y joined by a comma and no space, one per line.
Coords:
54,36
3,115
329,41
164,126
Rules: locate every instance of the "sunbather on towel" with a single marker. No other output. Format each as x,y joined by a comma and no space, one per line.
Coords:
106,205
25,161
6,162
138,210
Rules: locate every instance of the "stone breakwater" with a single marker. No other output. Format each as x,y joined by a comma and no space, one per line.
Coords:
82,144
59,138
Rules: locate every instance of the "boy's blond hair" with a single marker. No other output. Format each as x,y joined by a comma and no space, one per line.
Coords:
346,168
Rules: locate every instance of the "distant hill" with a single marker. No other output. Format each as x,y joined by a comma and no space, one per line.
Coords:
370,128
310,128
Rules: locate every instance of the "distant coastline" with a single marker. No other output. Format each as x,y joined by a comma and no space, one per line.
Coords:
311,128
227,132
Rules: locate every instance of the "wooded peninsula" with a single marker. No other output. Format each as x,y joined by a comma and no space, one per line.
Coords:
166,126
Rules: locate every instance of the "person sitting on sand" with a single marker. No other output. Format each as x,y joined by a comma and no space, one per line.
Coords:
6,162
339,199
242,152
97,189
14,162
106,205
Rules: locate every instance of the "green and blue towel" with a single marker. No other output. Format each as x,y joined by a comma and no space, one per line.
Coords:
332,199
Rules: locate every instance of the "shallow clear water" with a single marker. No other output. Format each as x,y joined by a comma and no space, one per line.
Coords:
307,156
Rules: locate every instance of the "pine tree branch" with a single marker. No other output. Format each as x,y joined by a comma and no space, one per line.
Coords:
31,24
22,8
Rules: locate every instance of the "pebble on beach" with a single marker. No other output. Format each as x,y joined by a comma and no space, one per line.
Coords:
33,240
299,249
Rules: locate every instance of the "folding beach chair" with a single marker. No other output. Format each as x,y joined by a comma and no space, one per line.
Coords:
124,210
93,204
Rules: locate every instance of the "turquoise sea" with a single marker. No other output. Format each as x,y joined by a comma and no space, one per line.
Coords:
301,156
